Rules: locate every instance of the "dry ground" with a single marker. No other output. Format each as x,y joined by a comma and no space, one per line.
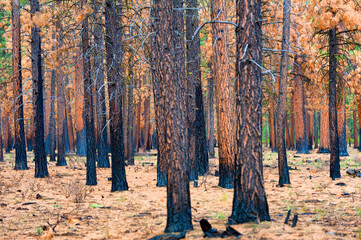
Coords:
326,210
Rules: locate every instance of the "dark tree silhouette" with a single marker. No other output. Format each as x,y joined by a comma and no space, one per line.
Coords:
114,58
41,167
334,141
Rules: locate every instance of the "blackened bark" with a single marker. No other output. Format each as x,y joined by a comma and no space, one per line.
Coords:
91,176
52,126
147,139
114,58
316,125
334,141
8,144
224,95
61,161
283,171
292,114
20,150
210,93
169,85
324,131
197,140
250,201
41,167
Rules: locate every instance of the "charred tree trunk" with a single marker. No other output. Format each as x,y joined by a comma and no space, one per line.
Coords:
69,120
310,129
20,150
114,58
91,177
211,111
284,177
102,129
60,103
197,139
130,144
170,96
334,140
358,99
52,126
272,124
224,95
41,165
8,138
147,139
250,201
299,108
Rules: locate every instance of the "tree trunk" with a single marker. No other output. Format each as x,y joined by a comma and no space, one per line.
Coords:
334,140
52,126
114,58
20,150
283,171
299,108
147,140
317,127
197,139
130,144
60,102
69,120
341,119
91,177
250,201
8,138
272,127
355,138
170,100
211,110
224,95
41,167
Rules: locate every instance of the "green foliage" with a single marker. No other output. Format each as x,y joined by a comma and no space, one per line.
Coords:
95,205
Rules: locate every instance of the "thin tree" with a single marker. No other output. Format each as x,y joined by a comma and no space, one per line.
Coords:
334,141
1,138
41,167
249,201
197,140
283,171
114,58
20,145
91,175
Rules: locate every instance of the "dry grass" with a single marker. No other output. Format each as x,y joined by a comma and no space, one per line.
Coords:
62,207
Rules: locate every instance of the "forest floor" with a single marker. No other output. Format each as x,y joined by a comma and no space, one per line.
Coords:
325,210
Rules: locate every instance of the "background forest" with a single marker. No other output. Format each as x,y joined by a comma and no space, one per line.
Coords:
241,98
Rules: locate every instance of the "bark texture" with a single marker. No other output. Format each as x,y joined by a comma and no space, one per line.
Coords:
249,202
324,131
114,58
224,95
332,100
169,85
20,145
41,167
283,171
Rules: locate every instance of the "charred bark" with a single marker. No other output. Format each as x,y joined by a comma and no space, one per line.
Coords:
211,110
41,167
334,140
250,201
283,171
114,58
20,150
91,177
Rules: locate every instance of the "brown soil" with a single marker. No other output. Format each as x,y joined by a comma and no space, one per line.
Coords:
326,210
